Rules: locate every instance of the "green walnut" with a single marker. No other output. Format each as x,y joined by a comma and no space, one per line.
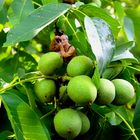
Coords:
50,62
82,90
105,92
80,65
45,90
85,123
67,123
124,91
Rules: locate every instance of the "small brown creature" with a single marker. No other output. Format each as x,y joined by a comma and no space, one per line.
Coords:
55,44
60,44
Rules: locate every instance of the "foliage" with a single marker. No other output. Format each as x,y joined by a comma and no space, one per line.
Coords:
107,33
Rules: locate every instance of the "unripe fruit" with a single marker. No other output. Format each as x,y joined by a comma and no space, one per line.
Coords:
81,90
80,65
45,90
67,123
85,123
50,62
124,91
105,92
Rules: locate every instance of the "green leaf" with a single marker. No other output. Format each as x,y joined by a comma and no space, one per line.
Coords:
102,130
21,60
26,61
93,11
102,110
30,94
35,22
2,39
7,69
82,46
123,51
119,10
25,122
111,72
76,41
113,118
1,4
117,115
49,1
113,69
101,40
136,119
137,88
5,134
96,77
67,24
135,16
3,15
19,10
129,28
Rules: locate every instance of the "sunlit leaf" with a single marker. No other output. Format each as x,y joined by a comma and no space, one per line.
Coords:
93,11
133,13
35,22
123,51
119,11
129,28
25,122
101,40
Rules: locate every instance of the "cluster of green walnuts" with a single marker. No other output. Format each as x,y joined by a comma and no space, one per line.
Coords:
70,122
